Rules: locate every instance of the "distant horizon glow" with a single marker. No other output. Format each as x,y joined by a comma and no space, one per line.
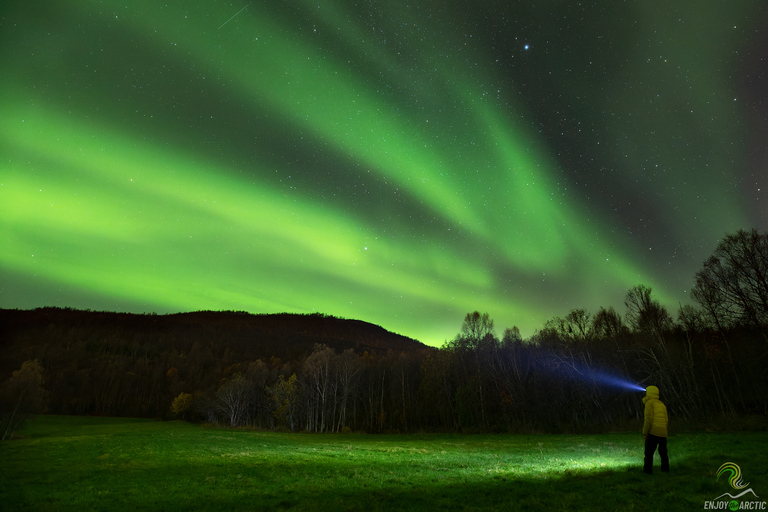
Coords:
402,166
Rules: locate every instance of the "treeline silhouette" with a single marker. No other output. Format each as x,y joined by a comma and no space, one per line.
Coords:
323,374
134,365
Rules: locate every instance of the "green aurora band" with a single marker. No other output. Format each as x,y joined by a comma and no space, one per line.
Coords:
307,158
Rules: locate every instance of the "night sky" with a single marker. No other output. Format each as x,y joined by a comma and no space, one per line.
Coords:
398,162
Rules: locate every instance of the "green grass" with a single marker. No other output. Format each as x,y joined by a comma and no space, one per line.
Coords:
73,463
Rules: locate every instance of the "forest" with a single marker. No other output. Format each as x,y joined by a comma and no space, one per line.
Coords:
318,373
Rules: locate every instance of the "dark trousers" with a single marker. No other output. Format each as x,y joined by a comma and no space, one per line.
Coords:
651,442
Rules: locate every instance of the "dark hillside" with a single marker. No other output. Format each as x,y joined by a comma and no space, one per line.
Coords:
100,362
285,336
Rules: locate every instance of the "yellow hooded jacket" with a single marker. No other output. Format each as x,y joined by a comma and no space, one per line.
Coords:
655,413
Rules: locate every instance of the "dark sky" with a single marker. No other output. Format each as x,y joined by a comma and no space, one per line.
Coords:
402,163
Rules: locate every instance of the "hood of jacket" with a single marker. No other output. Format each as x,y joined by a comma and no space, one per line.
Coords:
651,393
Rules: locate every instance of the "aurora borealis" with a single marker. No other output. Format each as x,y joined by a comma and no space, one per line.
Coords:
401,163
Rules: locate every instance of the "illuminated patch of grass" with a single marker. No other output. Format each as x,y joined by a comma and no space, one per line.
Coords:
67,463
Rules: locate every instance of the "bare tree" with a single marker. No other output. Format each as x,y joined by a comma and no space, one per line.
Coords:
607,324
732,287
477,337
579,325
476,328
317,372
23,393
233,398
646,314
347,369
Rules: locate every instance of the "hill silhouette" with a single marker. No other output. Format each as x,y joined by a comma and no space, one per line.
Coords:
135,364
250,336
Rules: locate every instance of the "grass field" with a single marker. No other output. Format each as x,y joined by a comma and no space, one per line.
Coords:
74,463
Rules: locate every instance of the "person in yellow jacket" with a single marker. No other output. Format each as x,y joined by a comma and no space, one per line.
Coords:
655,430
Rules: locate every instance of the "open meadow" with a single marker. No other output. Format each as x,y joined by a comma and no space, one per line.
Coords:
79,463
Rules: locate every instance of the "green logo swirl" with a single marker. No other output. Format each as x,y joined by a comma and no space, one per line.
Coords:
735,478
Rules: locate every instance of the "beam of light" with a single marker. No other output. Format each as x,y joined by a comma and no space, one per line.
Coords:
616,382
591,375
